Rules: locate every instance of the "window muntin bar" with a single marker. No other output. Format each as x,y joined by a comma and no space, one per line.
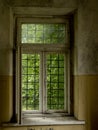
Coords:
43,33
30,81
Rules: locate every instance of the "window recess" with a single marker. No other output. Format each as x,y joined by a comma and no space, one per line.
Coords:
43,57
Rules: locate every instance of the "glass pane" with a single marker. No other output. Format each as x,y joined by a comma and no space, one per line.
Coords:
55,81
43,33
30,81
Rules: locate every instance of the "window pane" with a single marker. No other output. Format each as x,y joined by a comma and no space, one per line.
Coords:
30,81
43,33
55,81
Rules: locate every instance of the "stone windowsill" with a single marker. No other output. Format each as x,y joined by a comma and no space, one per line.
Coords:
46,121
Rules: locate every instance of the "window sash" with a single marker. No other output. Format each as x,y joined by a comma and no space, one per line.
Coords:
43,20
43,33
42,82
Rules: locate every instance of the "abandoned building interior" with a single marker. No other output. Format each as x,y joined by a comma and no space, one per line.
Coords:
48,65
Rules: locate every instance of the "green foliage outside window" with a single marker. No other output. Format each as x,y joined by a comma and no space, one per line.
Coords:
43,33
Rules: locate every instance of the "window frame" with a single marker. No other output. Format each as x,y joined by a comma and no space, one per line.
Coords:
36,47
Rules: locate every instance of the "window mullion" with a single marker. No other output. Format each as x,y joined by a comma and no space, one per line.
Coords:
41,84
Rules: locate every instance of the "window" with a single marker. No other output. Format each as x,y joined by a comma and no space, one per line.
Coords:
43,66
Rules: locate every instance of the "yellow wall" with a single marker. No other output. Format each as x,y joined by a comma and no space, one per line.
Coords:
85,97
86,100
5,98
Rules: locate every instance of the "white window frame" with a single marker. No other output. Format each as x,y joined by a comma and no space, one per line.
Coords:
25,48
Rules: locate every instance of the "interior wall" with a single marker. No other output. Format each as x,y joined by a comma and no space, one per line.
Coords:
87,75
86,57
5,64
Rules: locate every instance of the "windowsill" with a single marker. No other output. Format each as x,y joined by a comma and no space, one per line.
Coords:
46,121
